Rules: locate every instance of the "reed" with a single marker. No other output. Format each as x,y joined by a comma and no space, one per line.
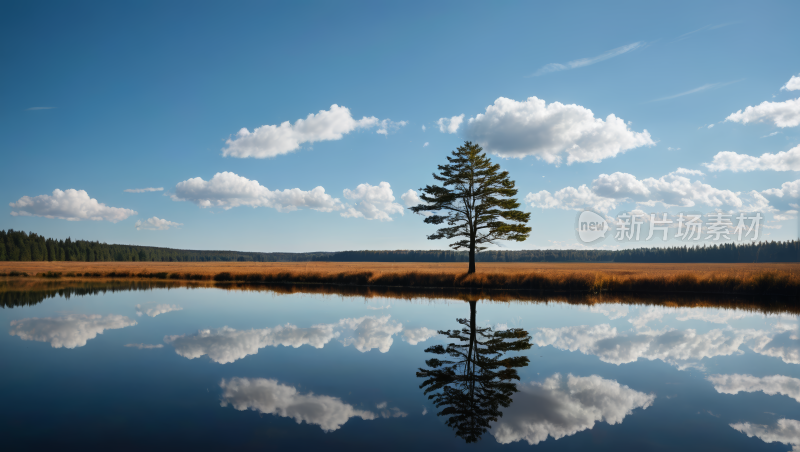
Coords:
733,282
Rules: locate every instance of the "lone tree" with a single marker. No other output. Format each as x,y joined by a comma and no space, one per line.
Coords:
476,200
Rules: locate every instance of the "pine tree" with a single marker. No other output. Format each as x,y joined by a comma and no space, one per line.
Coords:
476,200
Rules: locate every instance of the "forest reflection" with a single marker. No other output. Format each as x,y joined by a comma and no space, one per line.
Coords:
472,378
30,291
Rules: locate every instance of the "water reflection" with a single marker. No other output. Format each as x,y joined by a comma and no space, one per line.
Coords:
152,311
560,407
680,348
270,397
68,331
226,345
786,431
770,385
476,380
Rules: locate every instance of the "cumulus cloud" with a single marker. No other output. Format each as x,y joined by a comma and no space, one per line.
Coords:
270,397
688,172
731,161
226,345
371,332
411,198
372,202
515,129
770,385
609,190
786,431
793,84
555,67
71,205
425,144
270,141
416,335
228,190
561,407
143,190
145,346
156,224
69,331
156,310
450,125
782,114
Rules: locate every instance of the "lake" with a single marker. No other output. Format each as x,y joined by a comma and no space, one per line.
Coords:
165,366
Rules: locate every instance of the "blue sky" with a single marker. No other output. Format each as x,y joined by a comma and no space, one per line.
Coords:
110,96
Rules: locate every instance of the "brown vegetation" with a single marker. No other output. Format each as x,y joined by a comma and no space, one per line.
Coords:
777,278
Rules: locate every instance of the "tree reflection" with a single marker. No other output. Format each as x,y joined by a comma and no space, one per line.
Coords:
471,379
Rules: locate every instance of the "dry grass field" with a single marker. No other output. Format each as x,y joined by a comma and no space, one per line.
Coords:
244,268
763,278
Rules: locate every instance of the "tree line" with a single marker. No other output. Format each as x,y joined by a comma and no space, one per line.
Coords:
21,246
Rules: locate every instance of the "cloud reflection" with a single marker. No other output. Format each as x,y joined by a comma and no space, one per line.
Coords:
786,431
226,345
561,407
770,385
157,309
68,331
270,397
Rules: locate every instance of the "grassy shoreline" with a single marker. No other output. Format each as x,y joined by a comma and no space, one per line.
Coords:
581,281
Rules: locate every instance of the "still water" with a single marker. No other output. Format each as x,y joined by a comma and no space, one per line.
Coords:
207,368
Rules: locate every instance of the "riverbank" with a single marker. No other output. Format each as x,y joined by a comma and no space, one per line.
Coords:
732,279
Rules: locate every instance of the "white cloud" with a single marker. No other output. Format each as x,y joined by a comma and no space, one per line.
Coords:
143,190
561,407
555,67
423,127
373,202
695,90
770,134
416,335
673,149
226,345
782,114
782,161
424,411
371,332
270,397
450,125
228,190
145,346
72,205
786,431
387,126
426,144
270,141
69,331
770,385
609,190
410,198
156,310
688,172
710,126
792,85
518,129
156,224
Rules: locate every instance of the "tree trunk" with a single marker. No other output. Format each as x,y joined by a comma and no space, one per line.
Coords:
471,259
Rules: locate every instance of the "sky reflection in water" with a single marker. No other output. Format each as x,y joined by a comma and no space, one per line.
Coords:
210,369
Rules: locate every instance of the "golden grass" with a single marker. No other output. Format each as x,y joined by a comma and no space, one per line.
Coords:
732,279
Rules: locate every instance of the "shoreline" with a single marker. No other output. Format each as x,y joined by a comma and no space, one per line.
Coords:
643,279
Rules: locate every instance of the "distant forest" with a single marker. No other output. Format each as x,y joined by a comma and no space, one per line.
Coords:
20,246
